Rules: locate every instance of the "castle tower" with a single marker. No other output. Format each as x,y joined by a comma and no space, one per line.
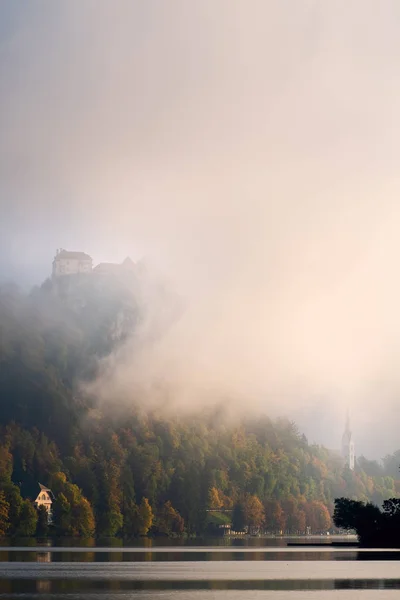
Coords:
348,449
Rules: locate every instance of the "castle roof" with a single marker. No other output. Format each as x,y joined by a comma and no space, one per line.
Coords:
114,267
106,265
65,254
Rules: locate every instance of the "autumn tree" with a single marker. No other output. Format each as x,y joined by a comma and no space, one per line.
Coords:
83,522
318,517
145,517
274,516
6,463
73,513
169,520
253,511
214,499
4,514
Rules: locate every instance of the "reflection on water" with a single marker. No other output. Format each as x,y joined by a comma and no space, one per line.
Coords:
250,569
194,554
81,589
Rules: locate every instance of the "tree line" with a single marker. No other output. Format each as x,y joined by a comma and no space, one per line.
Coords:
375,527
138,472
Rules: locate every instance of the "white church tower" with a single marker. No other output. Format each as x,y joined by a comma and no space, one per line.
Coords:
348,449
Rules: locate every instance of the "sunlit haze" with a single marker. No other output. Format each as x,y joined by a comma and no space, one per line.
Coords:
249,149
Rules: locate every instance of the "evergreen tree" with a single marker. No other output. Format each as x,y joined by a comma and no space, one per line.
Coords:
42,527
111,522
13,497
131,519
28,519
62,515
238,517
83,522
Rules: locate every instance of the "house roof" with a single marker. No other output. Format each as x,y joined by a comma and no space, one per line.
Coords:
73,255
43,488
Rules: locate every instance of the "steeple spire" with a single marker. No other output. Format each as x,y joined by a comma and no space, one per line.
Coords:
348,449
347,428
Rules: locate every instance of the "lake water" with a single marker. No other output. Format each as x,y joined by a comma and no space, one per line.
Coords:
248,569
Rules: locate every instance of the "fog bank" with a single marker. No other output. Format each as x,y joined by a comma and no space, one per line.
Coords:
249,150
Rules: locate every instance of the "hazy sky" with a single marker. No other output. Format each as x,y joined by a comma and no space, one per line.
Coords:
251,149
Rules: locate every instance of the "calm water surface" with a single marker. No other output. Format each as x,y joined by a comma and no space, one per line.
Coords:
251,569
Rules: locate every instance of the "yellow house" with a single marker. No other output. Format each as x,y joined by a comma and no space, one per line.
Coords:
45,498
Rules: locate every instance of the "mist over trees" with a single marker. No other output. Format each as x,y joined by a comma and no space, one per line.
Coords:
132,471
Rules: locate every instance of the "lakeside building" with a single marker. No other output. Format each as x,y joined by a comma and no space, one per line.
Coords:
45,498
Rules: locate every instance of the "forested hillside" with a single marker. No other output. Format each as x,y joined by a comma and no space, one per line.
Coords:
131,471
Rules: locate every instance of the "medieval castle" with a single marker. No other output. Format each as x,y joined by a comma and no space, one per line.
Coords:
75,263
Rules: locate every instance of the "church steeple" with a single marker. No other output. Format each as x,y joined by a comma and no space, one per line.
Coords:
348,449
347,428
